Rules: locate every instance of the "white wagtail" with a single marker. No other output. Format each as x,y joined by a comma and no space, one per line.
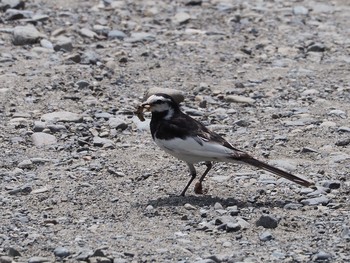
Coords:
189,140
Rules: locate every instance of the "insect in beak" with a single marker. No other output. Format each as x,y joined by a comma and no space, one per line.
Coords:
140,110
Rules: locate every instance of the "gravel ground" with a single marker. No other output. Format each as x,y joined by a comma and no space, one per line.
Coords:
80,176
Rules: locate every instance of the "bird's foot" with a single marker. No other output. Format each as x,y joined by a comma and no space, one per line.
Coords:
198,189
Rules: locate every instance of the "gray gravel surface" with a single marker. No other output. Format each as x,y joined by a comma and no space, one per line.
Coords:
80,176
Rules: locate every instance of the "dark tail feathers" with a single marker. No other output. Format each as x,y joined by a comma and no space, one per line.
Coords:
277,171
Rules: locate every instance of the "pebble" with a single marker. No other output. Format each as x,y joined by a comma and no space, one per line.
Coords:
292,206
116,34
63,43
181,18
244,224
100,260
61,252
81,84
85,32
344,142
6,259
117,123
239,99
13,4
25,164
14,14
189,207
338,113
346,233
322,200
267,221
322,255
331,184
177,95
61,116
25,35
43,139
39,260
317,47
300,10
89,57
140,37
218,206
12,252
265,236
232,227
46,44
102,142
344,129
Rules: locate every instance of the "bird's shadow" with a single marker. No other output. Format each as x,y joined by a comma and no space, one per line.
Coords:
207,200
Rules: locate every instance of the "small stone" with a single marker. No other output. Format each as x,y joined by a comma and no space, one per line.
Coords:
322,255
42,139
346,233
300,10
116,34
12,252
189,207
11,4
74,57
218,206
265,236
24,35
14,14
308,150
89,57
99,253
177,95
239,99
317,47
232,227
63,116
233,210
244,224
343,142
267,221
181,18
117,123
343,129
140,37
99,260
338,113
331,184
203,212
328,124
25,164
61,252
102,142
6,259
81,84
46,44
39,260
63,44
322,200
292,206
84,255
85,32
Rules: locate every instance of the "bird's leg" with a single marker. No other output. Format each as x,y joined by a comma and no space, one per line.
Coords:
193,175
198,189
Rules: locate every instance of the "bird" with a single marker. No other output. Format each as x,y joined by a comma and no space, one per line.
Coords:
189,140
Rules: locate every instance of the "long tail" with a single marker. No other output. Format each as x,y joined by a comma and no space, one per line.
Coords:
277,171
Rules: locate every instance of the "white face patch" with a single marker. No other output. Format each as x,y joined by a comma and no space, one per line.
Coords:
157,106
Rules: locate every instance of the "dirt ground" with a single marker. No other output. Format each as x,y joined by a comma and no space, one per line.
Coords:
89,184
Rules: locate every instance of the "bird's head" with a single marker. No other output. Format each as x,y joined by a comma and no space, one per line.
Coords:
158,103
